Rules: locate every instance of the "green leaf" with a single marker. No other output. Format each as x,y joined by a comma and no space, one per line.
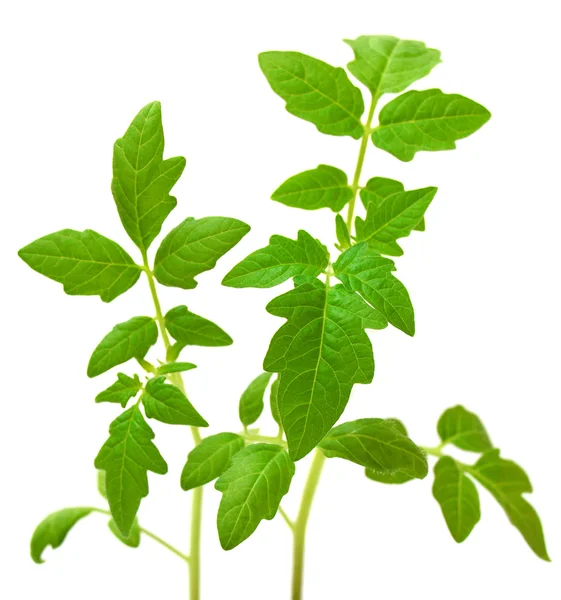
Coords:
121,391
175,367
252,489
131,339
385,64
457,496
142,180
194,247
507,482
315,91
464,429
320,352
85,262
393,218
101,487
209,459
251,402
168,404
428,120
363,270
274,401
342,232
52,531
132,540
322,187
126,457
282,259
190,329
376,444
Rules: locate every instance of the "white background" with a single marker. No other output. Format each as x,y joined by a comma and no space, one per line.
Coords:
484,280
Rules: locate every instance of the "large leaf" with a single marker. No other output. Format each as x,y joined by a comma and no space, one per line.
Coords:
209,459
464,429
315,91
195,246
121,391
142,180
168,404
320,352
126,457
507,482
190,329
322,187
85,262
131,339
251,401
427,120
393,218
363,270
386,64
376,444
252,489
457,496
282,259
52,531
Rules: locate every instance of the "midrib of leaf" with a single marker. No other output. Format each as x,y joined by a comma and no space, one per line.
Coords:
461,434
313,189
122,469
385,68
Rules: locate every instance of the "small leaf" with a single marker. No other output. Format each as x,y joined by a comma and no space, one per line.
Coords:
85,262
464,429
142,180
389,477
363,270
385,64
132,540
428,120
322,187
457,496
53,530
274,401
376,444
282,259
190,329
175,367
121,391
251,402
209,459
126,457
131,339
342,232
168,404
252,489
194,247
101,487
315,91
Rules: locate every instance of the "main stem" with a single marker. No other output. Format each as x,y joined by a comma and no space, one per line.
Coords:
197,498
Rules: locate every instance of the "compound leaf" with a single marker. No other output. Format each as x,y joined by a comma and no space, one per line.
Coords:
251,402
121,391
190,329
464,429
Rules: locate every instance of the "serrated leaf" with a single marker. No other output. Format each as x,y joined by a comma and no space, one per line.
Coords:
190,329
175,367
282,259
376,444
126,457
315,91
131,339
322,187
85,262
464,429
363,270
167,403
194,247
457,496
209,459
251,402
429,120
142,180
121,391
132,540
320,353
342,232
52,531
393,218
507,482
386,64
252,489
274,401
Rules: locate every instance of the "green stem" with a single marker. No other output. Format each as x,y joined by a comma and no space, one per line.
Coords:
302,521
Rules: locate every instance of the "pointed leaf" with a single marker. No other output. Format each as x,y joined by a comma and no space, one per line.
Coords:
190,329
121,391
251,402
252,489
175,367
428,120
315,91
464,429
132,540
194,247
85,262
209,459
342,232
131,339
